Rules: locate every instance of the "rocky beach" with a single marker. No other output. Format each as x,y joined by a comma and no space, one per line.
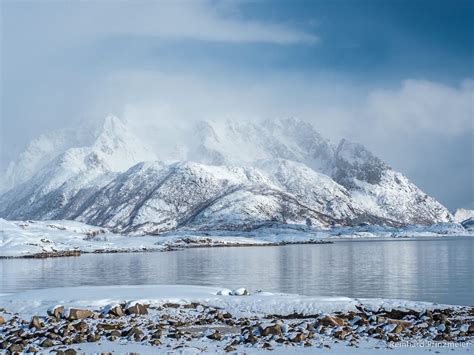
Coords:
191,319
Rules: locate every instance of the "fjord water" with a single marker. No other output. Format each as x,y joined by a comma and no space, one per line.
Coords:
437,270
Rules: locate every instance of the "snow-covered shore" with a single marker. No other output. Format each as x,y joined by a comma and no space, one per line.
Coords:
62,238
197,319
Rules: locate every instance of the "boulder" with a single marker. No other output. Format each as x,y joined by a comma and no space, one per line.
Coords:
75,313
215,336
136,308
2,320
298,338
274,329
92,338
249,338
401,324
332,321
47,343
109,326
155,342
55,311
342,334
81,327
35,323
113,309
15,348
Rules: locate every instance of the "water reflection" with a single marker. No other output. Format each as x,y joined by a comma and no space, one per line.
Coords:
432,270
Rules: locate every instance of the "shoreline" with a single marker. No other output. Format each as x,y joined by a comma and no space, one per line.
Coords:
159,319
44,239
178,247
62,254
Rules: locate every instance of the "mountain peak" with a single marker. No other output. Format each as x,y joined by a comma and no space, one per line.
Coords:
113,123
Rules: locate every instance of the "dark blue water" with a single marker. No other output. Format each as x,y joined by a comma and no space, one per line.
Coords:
437,270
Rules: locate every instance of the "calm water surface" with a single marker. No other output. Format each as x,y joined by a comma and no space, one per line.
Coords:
440,270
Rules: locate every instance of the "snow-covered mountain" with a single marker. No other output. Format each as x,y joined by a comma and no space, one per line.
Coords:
233,175
465,217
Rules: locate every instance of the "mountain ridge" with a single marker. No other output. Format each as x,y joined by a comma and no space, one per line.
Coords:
235,176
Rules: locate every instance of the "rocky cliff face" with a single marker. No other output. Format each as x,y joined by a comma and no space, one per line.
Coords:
236,175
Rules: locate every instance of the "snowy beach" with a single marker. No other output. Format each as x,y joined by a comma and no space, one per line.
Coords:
196,319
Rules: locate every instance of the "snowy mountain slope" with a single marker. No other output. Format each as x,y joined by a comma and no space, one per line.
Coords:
76,170
312,188
382,191
463,214
39,152
244,175
156,197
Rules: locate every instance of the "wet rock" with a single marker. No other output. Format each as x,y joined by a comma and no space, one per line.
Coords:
2,320
75,314
55,311
266,345
35,323
136,308
31,349
70,352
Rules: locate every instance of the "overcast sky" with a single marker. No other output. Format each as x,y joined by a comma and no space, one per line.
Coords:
396,76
